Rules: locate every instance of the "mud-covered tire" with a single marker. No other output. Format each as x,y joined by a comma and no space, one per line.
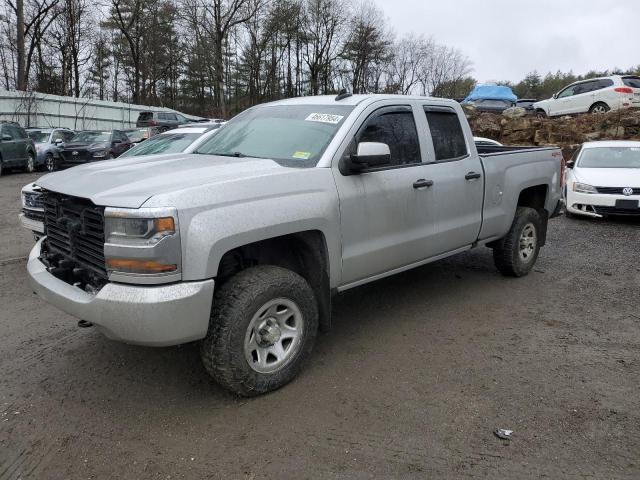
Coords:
515,254
237,305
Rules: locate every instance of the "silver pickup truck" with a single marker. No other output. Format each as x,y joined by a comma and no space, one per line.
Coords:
242,244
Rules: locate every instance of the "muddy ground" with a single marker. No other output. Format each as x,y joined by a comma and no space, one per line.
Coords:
417,372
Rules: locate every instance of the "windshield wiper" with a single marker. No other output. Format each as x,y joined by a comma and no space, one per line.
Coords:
232,154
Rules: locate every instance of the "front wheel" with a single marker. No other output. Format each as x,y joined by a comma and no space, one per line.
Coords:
50,163
516,253
262,329
30,167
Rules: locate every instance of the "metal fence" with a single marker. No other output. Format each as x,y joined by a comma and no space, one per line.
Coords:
32,109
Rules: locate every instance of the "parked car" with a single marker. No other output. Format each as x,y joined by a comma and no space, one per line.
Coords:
527,104
93,145
491,98
486,142
32,215
596,95
163,120
47,142
603,178
137,135
17,150
241,244
183,140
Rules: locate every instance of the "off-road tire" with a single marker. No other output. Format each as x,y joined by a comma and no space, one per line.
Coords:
506,252
234,305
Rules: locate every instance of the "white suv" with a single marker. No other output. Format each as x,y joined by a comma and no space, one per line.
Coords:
596,95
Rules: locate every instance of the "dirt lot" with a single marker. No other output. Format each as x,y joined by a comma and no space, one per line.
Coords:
417,372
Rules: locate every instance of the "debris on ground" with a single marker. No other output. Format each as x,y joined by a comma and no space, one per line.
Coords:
503,433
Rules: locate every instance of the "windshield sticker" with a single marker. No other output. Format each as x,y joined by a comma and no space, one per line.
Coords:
324,118
302,155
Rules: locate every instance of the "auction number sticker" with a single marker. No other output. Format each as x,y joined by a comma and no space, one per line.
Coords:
324,118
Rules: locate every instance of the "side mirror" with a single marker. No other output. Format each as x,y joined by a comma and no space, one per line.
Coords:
59,141
370,154
116,142
6,138
555,96
570,163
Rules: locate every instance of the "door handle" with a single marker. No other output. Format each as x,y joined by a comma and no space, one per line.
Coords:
422,183
472,176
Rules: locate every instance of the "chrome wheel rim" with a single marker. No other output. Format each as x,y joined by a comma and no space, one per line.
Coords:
273,336
49,163
30,164
527,244
599,109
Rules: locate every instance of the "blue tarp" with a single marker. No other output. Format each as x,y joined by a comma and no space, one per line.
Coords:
491,92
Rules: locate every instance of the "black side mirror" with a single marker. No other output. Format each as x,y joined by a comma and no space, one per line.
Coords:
570,163
369,155
7,138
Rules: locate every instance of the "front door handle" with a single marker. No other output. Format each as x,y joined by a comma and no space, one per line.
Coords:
472,176
422,183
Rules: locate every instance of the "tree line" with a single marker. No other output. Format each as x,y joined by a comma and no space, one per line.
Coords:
217,57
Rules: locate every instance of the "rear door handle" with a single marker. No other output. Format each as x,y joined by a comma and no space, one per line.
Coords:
422,183
472,176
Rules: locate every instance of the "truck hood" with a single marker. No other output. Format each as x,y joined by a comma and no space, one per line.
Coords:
130,182
609,177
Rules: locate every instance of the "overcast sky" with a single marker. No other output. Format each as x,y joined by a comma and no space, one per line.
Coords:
506,39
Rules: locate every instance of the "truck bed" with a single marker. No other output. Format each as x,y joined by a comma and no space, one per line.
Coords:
508,172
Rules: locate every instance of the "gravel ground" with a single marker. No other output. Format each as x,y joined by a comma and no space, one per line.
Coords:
417,372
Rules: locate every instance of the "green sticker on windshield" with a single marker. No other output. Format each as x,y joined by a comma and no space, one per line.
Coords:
302,155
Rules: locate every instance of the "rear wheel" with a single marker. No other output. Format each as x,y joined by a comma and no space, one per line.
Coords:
262,329
599,108
516,253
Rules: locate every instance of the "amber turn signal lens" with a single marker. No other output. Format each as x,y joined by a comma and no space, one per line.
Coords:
128,265
164,224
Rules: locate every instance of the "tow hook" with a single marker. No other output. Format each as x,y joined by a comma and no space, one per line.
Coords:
84,324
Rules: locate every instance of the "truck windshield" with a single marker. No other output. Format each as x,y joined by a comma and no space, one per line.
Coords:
610,157
292,135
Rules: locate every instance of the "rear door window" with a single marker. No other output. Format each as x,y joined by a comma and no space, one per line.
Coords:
144,116
633,82
447,135
395,127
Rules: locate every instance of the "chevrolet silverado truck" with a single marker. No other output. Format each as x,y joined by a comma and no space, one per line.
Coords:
242,244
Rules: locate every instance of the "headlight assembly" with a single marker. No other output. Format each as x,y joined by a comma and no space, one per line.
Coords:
583,188
142,242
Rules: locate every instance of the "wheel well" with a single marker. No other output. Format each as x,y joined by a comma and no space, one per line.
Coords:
599,103
304,253
535,197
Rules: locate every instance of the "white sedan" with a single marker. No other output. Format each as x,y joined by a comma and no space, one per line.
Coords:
603,178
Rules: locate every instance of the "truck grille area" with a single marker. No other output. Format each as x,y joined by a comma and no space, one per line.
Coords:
74,244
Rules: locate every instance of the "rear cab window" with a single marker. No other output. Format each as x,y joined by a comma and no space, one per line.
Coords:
449,142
